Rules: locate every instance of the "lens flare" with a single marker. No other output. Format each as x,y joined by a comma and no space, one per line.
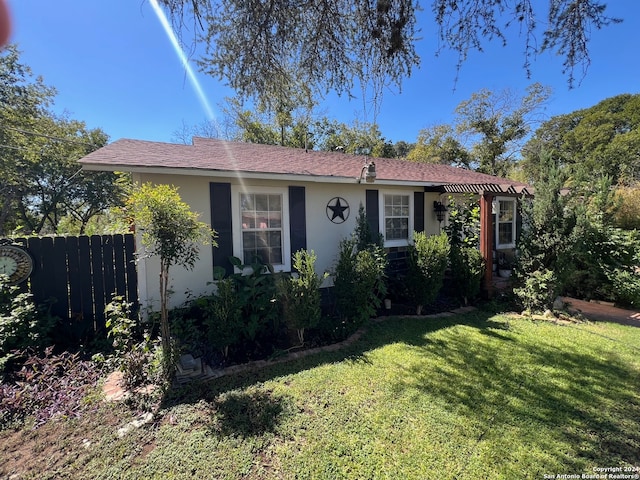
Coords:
183,59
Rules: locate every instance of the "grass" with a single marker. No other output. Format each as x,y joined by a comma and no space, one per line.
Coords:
466,397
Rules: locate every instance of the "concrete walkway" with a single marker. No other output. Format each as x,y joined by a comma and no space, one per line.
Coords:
602,311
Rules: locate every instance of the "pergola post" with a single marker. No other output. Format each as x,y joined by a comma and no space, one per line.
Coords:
486,240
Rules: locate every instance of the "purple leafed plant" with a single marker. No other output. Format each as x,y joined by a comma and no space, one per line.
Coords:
48,386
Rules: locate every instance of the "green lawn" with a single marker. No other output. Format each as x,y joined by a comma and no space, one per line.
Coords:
476,396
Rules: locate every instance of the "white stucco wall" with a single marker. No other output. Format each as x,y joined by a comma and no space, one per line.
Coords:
323,236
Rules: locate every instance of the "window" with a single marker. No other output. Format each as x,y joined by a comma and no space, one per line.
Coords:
263,228
506,223
397,219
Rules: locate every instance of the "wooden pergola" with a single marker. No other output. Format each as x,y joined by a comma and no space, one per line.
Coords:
486,193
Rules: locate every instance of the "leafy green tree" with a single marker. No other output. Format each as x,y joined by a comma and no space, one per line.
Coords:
439,144
627,211
592,143
42,180
497,123
171,231
569,244
261,47
356,139
547,224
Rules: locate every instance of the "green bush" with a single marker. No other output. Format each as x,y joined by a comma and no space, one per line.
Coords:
538,291
300,295
626,284
21,325
467,270
257,294
137,356
359,281
428,260
223,318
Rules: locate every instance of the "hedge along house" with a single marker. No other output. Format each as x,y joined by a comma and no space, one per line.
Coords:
272,201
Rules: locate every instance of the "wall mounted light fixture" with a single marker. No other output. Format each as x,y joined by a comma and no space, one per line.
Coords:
440,210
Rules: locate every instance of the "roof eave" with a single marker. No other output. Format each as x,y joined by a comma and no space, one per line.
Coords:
294,177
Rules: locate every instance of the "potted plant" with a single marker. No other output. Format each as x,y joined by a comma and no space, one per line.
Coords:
504,265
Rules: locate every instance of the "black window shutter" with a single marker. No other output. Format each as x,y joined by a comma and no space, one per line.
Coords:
418,211
220,195
297,219
372,208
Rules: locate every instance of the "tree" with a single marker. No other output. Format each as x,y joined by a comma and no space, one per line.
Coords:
171,231
627,212
261,48
356,139
206,129
439,144
497,123
600,141
42,180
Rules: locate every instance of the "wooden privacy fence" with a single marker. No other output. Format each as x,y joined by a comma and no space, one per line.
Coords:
78,276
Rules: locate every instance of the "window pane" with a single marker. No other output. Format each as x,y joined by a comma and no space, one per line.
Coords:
275,220
505,233
506,210
396,228
262,202
275,202
246,202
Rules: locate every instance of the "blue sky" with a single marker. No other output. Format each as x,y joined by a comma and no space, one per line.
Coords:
115,68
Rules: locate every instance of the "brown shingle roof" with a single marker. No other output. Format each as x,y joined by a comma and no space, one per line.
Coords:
223,156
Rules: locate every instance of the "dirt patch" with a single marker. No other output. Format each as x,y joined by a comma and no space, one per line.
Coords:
41,452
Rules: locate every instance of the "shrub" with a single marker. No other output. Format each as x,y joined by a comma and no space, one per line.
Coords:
300,295
257,293
428,260
21,325
359,282
467,270
359,276
136,355
223,318
627,287
538,291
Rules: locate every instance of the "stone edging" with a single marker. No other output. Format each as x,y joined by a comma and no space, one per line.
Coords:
113,388
210,374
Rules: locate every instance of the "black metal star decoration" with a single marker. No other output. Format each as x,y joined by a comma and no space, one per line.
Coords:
338,210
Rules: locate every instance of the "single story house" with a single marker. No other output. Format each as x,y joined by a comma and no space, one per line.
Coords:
272,201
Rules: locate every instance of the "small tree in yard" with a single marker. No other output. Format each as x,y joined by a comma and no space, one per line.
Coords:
467,270
428,260
224,315
359,275
301,294
171,231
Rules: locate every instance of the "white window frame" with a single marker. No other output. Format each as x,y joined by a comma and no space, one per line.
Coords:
236,218
513,221
382,221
